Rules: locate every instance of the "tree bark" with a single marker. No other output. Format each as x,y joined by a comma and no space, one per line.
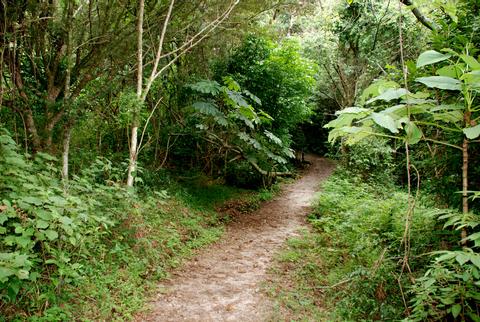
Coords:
134,138
67,135
420,17
464,186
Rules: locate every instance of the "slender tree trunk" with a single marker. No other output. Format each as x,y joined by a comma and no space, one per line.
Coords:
465,184
465,176
134,138
67,135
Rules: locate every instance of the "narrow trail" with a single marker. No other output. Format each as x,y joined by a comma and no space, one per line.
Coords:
222,283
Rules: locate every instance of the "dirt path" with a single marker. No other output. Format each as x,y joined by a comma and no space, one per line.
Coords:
222,283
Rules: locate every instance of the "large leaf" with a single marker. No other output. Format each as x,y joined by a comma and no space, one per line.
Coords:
471,61
449,116
414,134
472,78
206,87
389,94
431,57
472,132
253,97
237,99
386,121
206,108
342,120
352,110
273,138
377,88
441,82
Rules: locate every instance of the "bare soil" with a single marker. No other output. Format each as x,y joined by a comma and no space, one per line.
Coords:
223,282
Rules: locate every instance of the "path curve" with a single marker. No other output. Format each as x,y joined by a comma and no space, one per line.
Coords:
222,282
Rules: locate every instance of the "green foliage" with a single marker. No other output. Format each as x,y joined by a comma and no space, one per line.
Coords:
89,249
450,287
281,78
371,158
227,118
348,267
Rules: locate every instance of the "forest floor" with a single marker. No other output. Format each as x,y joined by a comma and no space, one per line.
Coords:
224,281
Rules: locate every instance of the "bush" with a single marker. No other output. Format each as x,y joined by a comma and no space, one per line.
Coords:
89,248
350,263
371,158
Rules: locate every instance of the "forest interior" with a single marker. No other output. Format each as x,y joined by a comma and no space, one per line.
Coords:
239,160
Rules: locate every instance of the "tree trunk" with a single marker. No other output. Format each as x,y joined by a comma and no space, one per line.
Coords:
464,185
67,135
133,153
134,138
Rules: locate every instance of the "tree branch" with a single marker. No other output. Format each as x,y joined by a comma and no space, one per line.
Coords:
420,17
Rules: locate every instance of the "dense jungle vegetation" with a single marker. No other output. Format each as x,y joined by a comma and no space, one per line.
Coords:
124,126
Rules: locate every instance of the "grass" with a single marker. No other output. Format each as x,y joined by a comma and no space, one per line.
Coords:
158,233
345,267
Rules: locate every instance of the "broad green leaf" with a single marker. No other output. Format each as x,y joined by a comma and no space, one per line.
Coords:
273,138
32,200
248,112
474,237
21,260
462,258
472,132
431,57
5,272
377,88
3,218
41,224
237,99
245,120
456,309
352,110
450,8
389,95
475,259
414,134
444,107
58,201
470,61
51,234
449,116
207,108
22,274
247,138
15,161
231,83
385,121
472,78
358,134
253,97
45,156
43,214
440,82
220,119
206,87
446,256
449,71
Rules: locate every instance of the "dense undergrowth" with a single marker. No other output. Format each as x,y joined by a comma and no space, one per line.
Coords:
90,249
349,265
